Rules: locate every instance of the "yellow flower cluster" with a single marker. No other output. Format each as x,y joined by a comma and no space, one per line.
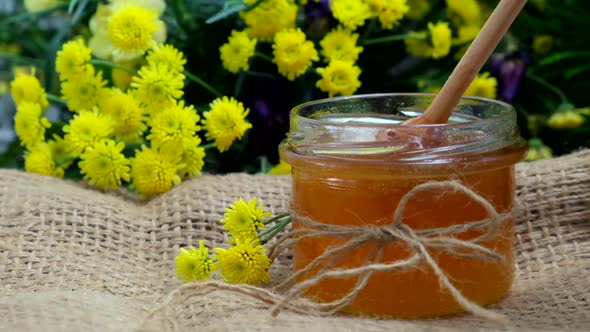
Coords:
144,136
434,43
245,262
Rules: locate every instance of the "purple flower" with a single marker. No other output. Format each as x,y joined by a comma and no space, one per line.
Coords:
317,16
509,69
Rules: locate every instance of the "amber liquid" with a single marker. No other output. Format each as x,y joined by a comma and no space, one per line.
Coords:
341,192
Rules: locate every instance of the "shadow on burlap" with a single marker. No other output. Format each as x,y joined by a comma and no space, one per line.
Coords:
75,259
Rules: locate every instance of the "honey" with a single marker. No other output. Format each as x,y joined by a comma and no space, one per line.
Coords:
344,174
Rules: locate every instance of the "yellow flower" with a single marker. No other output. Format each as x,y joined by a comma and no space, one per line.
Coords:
482,86
543,44
104,165
194,264
167,55
282,168
84,91
128,118
268,18
339,77
192,158
39,5
125,29
538,152
438,44
236,53
157,87
85,129
131,31
72,59
389,11
340,44
351,13
245,263
225,122
464,12
27,88
60,151
39,160
566,120
174,127
418,8
440,35
154,172
243,220
29,125
293,54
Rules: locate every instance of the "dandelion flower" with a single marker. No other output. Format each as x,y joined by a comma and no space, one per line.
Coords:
157,87
566,120
244,219
194,264
154,172
86,129
482,86
72,59
168,56
464,12
340,44
85,90
245,263
351,13
282,168
174,127
128,117
131,31
434,44
236,53
27,88
268,18
126,29
339,77
60,151
418,8
389,12
225,122
29,124
192,158
104,165
293,54
39,160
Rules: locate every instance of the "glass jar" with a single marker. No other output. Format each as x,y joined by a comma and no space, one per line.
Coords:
352,162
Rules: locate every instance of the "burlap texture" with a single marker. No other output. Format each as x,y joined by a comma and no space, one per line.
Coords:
75,259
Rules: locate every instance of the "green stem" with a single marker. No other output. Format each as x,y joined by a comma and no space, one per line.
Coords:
370,28
105,63
202,83
272,232
56,99
391,38
27,15
20,58
208,146
549,86
276,218
263,56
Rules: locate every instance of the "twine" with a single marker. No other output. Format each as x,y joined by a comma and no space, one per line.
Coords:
419,242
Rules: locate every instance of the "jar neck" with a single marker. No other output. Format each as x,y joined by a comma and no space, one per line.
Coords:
369,128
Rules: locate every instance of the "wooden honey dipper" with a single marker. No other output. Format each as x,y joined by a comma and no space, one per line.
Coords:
471,63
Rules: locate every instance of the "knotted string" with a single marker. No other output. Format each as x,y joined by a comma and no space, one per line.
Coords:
419,242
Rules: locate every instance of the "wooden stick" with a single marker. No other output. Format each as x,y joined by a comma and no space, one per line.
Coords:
471,63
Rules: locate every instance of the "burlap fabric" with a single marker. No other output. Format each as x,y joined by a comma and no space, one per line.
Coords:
75,259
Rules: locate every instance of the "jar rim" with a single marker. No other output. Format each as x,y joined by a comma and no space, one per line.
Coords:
506,110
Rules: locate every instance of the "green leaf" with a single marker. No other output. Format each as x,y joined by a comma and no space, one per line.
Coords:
562,56
231,7
71,6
